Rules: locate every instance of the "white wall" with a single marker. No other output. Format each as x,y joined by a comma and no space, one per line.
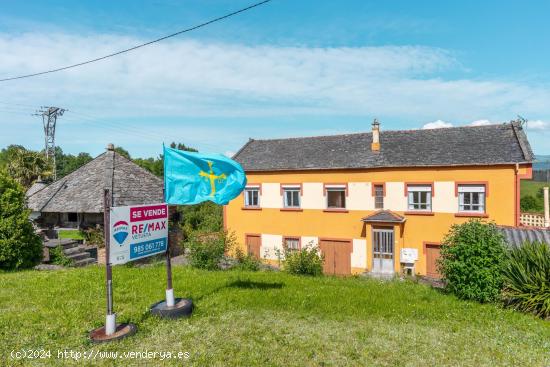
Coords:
313,196
271,196
359,196
395,198
359,254
271,242
444,200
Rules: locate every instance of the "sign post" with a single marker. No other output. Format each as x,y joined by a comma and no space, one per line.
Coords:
110,331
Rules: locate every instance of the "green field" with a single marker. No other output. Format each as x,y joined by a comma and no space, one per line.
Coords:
72,234
531,187
265,318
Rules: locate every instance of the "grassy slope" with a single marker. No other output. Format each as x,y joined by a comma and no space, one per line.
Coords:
531,187
268,319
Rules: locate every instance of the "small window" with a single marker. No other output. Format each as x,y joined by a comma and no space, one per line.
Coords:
252,196
471,198
292,244
420,198
379,196
336,198
72,217
291,197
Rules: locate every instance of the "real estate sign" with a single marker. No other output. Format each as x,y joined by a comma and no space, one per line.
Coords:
138,232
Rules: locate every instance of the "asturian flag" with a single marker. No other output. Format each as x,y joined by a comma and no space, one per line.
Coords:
191,178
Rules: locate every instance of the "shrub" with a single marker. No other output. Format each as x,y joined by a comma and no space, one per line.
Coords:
527,279
58,257
530,203
471,262
20,246
206,250
306,261
94,236
246,261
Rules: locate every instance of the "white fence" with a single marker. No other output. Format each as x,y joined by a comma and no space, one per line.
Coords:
532,219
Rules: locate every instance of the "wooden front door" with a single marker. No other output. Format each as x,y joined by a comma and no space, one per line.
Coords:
253,245
337,256
432,254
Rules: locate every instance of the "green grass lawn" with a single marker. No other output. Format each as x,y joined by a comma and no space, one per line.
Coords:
266,318
72,234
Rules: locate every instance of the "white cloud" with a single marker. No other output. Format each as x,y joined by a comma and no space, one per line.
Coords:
438,124
191,79
229,153
480,123
538,125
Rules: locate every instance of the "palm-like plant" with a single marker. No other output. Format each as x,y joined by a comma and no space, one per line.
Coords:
527,279
26,166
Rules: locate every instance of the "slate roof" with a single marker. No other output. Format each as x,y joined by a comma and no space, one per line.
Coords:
516,236
456,146
82,190
385,216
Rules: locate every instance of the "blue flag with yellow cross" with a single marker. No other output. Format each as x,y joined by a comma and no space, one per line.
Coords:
191,178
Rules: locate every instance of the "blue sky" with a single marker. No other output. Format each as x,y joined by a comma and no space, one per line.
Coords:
288,68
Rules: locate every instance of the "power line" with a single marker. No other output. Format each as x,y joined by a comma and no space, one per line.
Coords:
139,46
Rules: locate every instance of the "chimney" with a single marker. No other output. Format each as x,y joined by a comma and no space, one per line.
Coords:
375,145
546,208
110,146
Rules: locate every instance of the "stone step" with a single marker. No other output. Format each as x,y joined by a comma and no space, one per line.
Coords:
73,250
84,262
65,243
78,256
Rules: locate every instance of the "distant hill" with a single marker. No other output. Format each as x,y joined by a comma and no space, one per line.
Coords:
542,162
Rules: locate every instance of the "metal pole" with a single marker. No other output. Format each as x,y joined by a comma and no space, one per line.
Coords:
110,324
170,300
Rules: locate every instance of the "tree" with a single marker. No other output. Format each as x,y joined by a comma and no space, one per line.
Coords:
25,166
472,259
67,163
123,152
20,247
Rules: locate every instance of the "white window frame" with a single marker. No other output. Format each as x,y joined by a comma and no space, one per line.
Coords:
248,190
336,188
376,186
465,190
292,189
298,245
417,190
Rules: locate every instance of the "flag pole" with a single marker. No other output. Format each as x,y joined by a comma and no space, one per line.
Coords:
170,301
171,307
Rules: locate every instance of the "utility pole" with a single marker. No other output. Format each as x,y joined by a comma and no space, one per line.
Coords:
49,119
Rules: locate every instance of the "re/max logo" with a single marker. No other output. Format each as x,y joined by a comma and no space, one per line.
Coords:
148,227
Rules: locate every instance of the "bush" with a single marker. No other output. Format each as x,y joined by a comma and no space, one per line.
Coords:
58,257
527,279
306,261
246,261
20,246
206,250
471,262
94,237
530,203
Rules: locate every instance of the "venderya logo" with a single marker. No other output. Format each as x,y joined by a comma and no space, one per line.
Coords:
120,231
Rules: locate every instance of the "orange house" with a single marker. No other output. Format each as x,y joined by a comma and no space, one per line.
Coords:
377,202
